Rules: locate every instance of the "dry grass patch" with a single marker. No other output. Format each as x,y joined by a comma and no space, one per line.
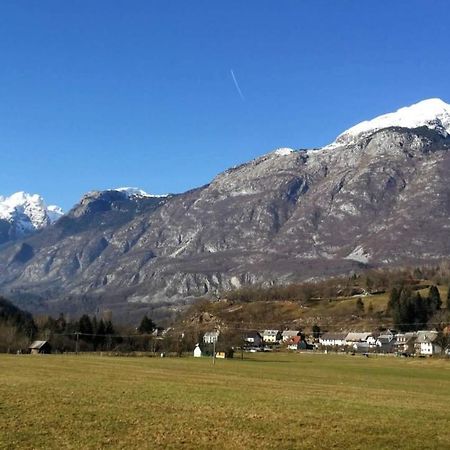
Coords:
271,401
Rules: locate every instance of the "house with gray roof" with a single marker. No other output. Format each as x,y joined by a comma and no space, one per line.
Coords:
211,337
354,338
287,335
426,343
386,341
333,339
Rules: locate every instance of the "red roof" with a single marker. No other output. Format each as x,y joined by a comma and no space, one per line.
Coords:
294,340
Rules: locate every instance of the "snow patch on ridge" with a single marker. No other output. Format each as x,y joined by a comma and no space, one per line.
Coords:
432,113
284,151
136,192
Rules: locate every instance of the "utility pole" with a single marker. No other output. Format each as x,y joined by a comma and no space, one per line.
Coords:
214,351
77,342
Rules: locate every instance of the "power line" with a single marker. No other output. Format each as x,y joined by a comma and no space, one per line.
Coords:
103,335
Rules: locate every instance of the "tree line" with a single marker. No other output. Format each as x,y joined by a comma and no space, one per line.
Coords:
411,311
18,329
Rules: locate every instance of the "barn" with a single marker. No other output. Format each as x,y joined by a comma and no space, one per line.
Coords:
39,347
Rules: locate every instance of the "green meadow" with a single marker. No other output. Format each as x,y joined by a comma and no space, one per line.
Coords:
265,401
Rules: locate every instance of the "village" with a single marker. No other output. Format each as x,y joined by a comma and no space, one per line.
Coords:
420,343
222,343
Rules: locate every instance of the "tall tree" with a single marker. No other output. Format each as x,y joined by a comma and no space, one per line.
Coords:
100,333
403,311
448,298
316,331
359,306
109,329
434,299
394,297
146,326
420,312
61,323
85,326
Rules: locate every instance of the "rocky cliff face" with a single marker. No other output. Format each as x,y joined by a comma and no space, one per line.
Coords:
381,198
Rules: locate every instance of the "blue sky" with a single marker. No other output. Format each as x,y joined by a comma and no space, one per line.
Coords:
101,94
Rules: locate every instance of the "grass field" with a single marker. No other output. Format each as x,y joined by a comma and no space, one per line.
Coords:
278,401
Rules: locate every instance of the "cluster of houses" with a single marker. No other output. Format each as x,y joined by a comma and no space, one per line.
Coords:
389,341
421,343
257,340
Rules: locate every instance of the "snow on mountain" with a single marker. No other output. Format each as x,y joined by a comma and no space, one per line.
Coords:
432,113
54,212
28,212
136,192
284,151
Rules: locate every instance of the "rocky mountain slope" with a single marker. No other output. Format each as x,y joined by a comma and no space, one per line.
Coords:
379,195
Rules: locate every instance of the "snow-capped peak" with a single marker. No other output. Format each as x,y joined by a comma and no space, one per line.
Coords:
432,113
28,212
136,192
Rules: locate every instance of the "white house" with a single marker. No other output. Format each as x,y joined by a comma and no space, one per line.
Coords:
425,343
405,342
197,351
287,335
211,337
372,340
271,336
333,339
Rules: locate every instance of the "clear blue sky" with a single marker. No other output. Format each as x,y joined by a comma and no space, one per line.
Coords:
101,94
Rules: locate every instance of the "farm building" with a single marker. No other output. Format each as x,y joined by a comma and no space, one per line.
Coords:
289,334
197,352
253,338
211,337
405,342
271,336
386,341
39,347
333,339
355,338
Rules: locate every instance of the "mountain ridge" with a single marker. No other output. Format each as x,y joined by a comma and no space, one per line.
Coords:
283,217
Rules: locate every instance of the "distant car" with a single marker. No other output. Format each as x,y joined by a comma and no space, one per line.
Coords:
253,349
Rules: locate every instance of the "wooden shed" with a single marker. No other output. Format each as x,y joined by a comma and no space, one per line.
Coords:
38,347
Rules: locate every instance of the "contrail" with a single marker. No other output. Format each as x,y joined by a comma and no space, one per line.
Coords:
237,85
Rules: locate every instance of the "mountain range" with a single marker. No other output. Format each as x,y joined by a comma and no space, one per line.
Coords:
379,195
